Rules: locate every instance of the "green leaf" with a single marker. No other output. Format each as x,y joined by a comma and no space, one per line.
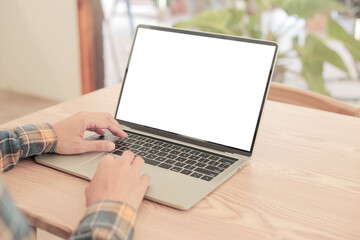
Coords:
205,27
315,49
336,32
224,21
308,8
253,26
312,73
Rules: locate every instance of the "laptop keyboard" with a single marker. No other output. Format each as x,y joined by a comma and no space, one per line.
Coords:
174,157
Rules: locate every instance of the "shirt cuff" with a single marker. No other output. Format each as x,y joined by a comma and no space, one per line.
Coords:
107,218
36,139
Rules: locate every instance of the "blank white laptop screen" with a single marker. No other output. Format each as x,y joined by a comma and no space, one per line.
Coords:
202,87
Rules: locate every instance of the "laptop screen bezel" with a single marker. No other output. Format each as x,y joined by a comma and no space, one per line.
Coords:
187,139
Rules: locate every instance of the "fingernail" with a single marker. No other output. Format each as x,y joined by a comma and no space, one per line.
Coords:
110,146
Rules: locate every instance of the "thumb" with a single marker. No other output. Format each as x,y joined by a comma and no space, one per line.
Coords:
98,146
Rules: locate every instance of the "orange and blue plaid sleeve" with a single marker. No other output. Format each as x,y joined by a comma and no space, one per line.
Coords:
25,141
106,220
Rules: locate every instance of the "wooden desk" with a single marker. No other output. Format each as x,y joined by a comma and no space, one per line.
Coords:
302,183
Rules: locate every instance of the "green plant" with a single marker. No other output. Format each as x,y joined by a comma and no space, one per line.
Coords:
313,53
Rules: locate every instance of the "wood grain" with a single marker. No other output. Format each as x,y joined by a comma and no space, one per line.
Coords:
303,182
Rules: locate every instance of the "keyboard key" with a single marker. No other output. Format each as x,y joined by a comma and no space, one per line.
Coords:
200,164
117,152
207,172
222,165
170,161
170,156
175,152
148,145
204,155
214,169
135,147
165,150
160,159
142,154
214,158
195,152
203,160
151,162
144,149
156,147
215,163
207,178
227,161
186,172
164,165
184,155
190,167
211,162
196,175
153,151
190,162
175,169
149,140
162,154
135,151
151,156
167,145
194,157
158,143
180,164
181,159
186,150
176,147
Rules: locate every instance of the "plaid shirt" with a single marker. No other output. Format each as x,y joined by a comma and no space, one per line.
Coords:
102,220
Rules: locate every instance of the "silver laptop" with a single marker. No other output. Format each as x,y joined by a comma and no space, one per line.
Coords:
191,103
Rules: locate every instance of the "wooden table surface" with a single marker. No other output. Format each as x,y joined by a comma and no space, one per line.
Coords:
303,182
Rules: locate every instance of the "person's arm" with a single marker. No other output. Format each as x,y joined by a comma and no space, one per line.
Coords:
13,224
25,141
64,137
113,197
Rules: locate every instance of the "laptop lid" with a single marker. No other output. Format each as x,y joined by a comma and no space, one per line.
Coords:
201,88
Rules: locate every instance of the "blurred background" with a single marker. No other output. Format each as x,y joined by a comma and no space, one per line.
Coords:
56,50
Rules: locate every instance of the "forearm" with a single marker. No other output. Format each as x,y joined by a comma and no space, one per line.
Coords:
25,141
106,220
13,224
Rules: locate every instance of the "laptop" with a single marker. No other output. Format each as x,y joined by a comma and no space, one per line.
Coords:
191,103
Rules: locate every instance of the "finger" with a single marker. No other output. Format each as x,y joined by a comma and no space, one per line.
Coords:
145,180
138,164
97,130
97,146
105,120
116,123
127,157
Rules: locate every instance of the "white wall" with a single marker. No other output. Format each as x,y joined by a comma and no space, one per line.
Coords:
39,48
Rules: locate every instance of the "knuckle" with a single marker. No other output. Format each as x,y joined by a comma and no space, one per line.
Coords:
109,117
99,146
106,160
140,159
128,152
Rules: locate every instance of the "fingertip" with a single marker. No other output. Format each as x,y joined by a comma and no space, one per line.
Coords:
110,146
123,134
